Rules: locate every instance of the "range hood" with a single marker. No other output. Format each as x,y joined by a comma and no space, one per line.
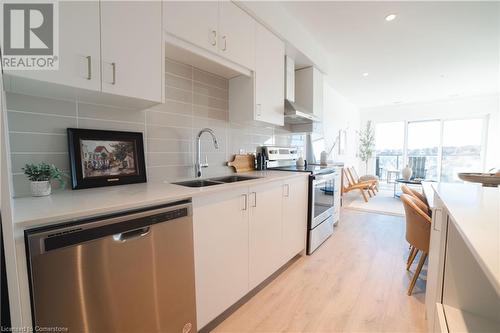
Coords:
294,114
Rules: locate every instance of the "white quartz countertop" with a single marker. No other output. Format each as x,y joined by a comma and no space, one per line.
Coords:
475,210
64,206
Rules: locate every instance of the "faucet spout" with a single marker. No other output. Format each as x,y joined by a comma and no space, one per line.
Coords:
198,165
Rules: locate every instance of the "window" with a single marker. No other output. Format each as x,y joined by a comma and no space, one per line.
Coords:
389,144
423,144
461,148
434,149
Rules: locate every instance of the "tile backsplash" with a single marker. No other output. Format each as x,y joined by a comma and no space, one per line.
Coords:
194,99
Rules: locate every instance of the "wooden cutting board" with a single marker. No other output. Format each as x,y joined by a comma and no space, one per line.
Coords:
242,163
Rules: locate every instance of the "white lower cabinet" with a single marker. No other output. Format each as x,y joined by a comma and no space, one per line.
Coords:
264,231
243,236
294,228
439,324
220,227
434,287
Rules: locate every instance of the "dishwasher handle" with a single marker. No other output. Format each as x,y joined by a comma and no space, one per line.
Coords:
131,235
124,226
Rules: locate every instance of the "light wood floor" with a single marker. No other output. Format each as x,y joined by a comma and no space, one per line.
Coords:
355,282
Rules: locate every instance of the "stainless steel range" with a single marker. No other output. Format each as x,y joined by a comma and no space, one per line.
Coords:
324,192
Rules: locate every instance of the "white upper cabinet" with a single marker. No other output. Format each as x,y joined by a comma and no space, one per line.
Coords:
220,27
194,21
269,77
261,97
236,35
309,90
114,47
131,41
79,49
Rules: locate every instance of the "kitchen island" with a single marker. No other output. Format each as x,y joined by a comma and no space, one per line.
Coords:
463,280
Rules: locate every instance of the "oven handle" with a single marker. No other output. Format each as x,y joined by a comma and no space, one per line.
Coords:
318,179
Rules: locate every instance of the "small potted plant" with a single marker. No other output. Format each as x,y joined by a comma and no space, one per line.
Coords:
40,176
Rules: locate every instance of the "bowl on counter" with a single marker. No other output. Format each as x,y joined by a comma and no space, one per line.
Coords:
487,179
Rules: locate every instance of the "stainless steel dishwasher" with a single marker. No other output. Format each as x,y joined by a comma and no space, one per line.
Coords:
129,272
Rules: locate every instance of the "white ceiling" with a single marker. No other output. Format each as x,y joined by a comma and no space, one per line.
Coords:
432,50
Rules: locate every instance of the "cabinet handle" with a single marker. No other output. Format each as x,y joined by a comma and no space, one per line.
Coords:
258,108
224,38
245,205
214,37
437,219
254,199
89,67
286,190
113,68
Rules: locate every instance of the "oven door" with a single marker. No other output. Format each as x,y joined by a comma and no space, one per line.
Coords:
322,198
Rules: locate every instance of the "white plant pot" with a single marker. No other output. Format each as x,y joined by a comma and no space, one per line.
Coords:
41,188
406,173
323,158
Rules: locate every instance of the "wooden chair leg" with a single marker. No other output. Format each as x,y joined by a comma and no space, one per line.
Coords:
363,194
369,192
411,258
417,273
411,248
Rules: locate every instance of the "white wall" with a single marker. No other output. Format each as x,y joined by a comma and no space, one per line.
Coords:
461,107
340,114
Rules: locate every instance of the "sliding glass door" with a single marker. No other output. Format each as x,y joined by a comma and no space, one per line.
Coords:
434,149
461,147
389,145
424,138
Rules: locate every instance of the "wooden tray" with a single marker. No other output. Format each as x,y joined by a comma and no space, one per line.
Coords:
243,163
487,179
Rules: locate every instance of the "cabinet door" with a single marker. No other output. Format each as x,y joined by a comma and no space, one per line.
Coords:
269,77
435,269
79,50
295,200
318,93
236,35
264,231
220,251
131,43
194,21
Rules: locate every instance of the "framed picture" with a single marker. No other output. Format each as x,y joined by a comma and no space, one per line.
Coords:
105,158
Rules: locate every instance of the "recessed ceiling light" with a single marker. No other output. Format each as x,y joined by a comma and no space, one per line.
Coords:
390,17
365,74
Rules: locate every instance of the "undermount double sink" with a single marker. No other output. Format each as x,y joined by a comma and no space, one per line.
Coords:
214,181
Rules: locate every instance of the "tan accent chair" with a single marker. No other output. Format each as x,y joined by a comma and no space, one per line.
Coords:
418,231
406,189
348,185
421,201
365,178
369,184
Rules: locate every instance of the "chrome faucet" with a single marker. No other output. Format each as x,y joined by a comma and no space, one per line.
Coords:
198,165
